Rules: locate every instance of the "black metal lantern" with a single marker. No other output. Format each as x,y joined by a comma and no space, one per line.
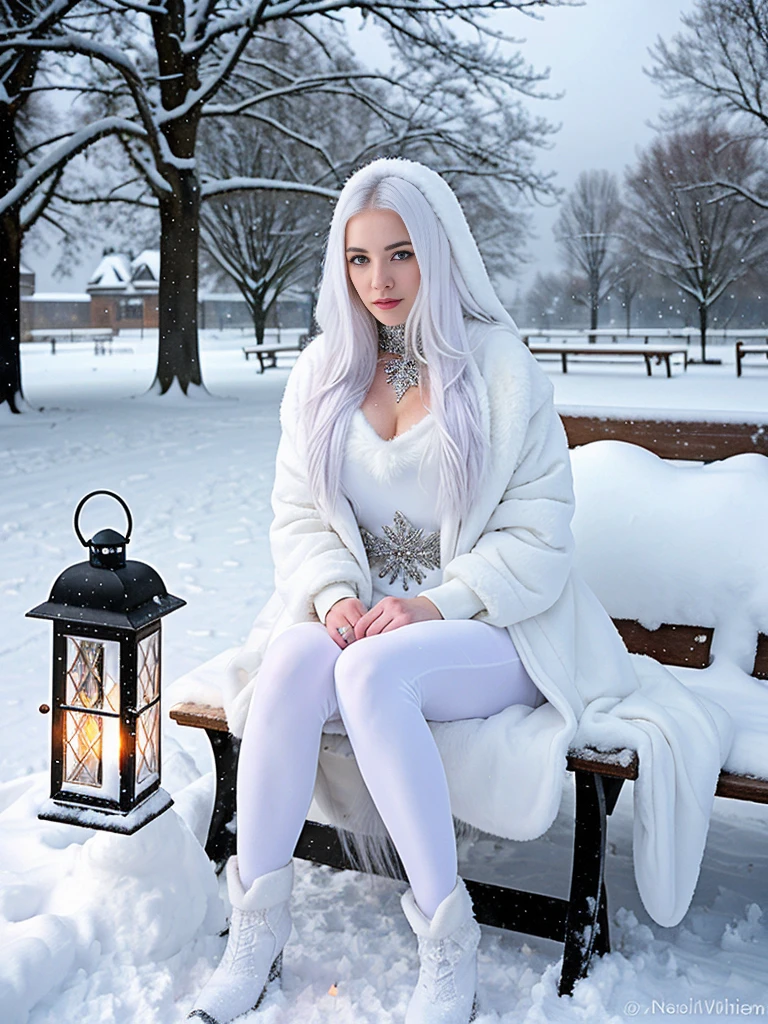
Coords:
105,732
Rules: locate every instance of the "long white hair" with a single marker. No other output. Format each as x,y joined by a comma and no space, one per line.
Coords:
435,335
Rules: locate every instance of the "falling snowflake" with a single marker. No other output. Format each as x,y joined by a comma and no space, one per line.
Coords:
404,550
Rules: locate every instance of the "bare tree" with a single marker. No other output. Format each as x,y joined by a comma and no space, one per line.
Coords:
631,274
263,240
165,64
698,238
719,66
586,232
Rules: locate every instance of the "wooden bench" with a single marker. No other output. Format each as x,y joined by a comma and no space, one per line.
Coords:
648,352
267,354
747,348
581,921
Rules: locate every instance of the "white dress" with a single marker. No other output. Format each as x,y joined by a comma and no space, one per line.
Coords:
392,486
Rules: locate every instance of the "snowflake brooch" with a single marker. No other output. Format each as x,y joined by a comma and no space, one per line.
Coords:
404,550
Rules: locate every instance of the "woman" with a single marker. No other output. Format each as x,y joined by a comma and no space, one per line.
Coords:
422,553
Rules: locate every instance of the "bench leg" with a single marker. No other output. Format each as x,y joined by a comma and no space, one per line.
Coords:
586,925
220,843
564,358
647,359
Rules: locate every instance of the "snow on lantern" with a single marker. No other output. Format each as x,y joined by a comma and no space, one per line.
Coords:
105,730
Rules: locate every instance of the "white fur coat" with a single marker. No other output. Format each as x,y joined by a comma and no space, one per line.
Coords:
514,552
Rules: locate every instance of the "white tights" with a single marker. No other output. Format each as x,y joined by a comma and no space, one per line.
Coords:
384,688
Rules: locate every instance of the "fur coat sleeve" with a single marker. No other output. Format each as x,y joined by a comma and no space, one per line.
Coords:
520,562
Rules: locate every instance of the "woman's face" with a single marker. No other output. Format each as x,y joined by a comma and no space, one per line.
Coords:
381,264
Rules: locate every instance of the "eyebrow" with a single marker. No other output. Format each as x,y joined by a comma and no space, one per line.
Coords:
395,245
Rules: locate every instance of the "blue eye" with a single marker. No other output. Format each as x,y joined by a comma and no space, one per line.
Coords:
402,252
358,257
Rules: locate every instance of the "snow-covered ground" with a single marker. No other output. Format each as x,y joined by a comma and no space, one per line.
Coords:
102,928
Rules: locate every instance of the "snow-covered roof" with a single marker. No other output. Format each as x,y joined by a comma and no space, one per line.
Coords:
24,269
145,269
56,297
112,274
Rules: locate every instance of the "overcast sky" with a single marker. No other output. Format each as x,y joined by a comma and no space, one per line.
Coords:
596,54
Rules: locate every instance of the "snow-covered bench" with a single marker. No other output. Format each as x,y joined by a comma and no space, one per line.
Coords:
693,595
745,348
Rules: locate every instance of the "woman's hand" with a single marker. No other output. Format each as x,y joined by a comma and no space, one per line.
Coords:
344,615
393,612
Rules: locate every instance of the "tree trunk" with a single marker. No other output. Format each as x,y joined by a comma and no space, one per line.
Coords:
10,312
178,357
628,307
10,270
703,319
594,303
259,317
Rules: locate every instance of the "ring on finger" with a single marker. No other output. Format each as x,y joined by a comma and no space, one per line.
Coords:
341,630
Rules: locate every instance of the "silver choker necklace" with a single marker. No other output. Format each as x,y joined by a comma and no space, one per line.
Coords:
401,373
392,339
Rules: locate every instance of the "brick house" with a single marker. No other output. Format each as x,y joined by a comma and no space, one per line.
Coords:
123,291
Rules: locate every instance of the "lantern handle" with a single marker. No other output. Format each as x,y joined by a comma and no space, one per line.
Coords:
110,494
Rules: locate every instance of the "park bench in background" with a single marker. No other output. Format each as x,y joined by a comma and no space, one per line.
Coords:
648,351
744,348
267,354
100,336
581,921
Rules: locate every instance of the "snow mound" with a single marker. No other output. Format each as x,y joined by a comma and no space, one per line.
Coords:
78,903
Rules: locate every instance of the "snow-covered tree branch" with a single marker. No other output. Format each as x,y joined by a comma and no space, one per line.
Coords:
160,66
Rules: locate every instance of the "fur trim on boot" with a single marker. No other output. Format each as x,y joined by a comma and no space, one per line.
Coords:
258,930
445,991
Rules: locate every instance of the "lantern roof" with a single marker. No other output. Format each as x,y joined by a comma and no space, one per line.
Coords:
108,538
128,597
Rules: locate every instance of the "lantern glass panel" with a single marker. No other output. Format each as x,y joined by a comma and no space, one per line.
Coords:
149,669
92,739
147,747
83,744
93,674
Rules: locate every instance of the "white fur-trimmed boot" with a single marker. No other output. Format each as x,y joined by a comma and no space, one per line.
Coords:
445,991
258,930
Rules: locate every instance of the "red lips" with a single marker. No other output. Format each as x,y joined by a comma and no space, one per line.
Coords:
387,303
